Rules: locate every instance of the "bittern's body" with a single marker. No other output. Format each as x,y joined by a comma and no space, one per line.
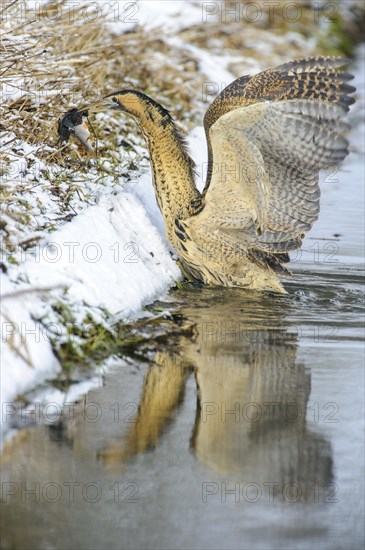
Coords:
268,137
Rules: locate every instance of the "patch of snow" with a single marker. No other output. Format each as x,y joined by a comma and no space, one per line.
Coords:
110,256
170,16
198,149
213,66
26,353
11,91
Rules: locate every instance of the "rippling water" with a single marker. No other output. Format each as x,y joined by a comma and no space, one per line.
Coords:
245,432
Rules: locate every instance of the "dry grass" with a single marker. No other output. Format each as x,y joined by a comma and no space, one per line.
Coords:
51,63
57,65
50,66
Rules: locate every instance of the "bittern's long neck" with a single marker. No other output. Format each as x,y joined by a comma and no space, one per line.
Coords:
172,167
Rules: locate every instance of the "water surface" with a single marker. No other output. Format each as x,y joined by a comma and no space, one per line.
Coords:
242,431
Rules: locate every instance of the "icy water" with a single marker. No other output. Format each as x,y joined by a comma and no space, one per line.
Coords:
244,430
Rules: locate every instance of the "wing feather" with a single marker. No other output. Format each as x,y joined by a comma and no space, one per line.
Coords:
272,197
315,78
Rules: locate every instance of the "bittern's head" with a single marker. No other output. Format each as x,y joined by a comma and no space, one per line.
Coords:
135,103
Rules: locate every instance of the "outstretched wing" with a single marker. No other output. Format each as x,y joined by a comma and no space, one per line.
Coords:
265,178
313,78
264,192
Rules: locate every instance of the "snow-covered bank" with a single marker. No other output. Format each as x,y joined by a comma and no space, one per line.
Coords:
26,353
111,257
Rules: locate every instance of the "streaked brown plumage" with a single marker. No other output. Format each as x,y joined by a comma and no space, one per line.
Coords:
268,137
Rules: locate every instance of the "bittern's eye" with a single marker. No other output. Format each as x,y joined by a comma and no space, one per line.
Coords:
115,100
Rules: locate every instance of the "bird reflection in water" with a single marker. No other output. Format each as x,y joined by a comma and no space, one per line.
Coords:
252,398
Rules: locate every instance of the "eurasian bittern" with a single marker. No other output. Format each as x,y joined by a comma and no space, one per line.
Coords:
268,136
